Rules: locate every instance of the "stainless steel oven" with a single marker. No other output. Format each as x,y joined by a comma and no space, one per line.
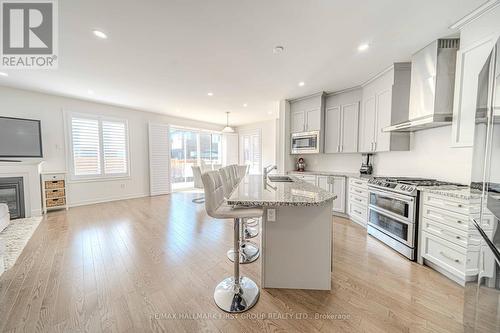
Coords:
392,213
305,142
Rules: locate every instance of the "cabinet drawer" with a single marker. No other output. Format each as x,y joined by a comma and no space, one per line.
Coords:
57,193
56,202
443,202
358,212
53,184
359,199
358,191
456,236
443,253
472,264
53,177
447,217
358,182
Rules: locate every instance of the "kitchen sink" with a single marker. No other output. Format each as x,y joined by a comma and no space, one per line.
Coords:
282,179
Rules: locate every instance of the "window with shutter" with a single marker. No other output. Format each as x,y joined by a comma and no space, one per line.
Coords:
99,147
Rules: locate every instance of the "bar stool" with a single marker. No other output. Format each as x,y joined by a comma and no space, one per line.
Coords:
237,293
249,251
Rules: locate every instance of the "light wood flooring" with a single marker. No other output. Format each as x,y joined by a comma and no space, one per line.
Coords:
151,264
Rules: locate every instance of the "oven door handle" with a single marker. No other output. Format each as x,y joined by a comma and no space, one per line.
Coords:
391,215
402,197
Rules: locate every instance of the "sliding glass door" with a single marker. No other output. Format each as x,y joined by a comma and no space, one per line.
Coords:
189,148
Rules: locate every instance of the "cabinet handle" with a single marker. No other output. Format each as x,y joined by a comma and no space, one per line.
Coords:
371,149
356,211
450,234
357,191
453,205
448,257
374,146
357,199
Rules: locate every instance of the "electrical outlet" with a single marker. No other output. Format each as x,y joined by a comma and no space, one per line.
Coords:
271,214
122,185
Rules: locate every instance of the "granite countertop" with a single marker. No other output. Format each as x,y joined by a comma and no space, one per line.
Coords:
454,191
252,191
333,173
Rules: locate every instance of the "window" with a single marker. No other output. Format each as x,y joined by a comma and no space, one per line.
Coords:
250,151
189,147
99,147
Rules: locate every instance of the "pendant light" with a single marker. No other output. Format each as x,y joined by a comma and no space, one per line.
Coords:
228,129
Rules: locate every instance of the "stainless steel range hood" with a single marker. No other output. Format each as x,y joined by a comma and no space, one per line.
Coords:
432,87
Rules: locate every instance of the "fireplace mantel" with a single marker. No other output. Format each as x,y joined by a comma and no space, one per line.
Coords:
30,170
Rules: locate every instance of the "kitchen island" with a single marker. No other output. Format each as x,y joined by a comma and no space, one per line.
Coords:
296,237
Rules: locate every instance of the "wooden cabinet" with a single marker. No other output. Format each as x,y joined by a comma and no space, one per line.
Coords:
385,102
54,191
341,128
307,113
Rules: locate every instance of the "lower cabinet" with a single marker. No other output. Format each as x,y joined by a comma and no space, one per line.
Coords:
358,201
449,243
336,185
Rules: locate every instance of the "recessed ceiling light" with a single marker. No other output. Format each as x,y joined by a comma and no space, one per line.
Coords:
278,49
269,112
3,74
301,83
363,47
90,92
100,34
210,94
245,105
177,110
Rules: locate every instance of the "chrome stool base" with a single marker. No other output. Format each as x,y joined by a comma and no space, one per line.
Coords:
198,200
234,298
251,232
249,252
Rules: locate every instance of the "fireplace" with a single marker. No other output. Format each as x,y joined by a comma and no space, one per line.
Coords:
12,193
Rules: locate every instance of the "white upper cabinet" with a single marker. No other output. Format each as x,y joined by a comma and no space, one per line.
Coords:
313,120
333,126
367,125
307,114
350,125
470,61
385,102
342,122
298,121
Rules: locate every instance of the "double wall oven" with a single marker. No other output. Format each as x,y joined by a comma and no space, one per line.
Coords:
393,211
392,214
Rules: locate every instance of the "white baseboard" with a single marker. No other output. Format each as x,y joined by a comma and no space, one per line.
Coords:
107,199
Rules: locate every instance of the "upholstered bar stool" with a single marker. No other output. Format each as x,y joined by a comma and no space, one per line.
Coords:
237,293
249,251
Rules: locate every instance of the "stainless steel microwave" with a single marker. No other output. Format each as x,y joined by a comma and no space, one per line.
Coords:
305,142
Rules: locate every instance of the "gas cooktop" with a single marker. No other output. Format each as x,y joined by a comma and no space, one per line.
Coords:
404,185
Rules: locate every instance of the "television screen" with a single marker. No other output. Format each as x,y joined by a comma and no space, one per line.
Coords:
20,138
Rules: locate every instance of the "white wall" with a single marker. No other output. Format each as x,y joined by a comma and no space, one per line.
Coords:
269,132
49,109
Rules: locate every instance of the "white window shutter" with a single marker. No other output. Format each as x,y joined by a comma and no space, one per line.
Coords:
159,159
86,153
114,143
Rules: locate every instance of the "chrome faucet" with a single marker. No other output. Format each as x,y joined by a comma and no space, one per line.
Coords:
267,170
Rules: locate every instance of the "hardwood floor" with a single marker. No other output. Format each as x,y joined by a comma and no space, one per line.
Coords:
151,264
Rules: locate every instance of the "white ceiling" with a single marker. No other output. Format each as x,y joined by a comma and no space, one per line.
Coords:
165,56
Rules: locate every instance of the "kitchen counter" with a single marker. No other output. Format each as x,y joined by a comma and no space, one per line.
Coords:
253,191
454,191
333,173
296,231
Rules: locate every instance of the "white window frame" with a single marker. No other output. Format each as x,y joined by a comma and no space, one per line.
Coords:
69,148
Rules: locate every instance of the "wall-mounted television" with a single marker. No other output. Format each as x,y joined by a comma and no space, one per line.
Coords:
20,137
